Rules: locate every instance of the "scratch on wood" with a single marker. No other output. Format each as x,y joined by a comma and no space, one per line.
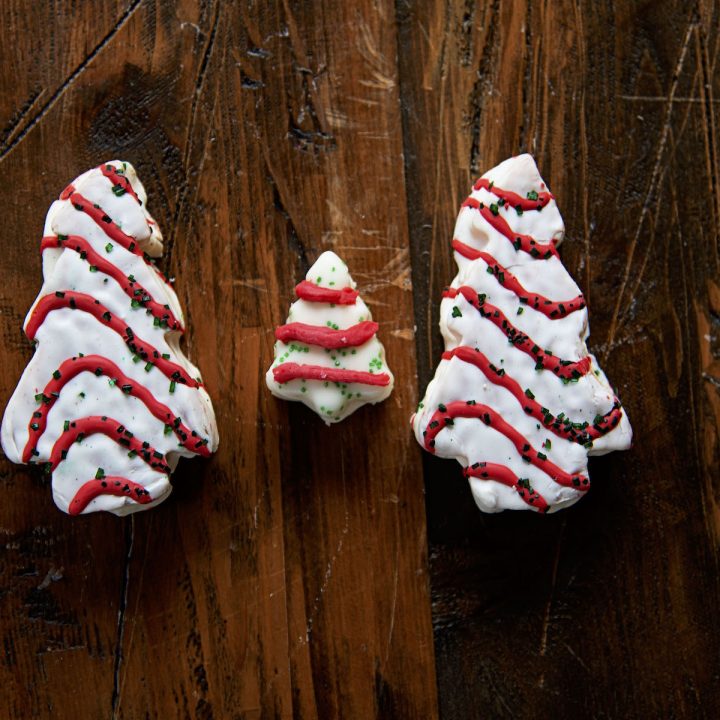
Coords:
548,607
138,595
661,98
394,603
67,83
331,563
122,607
583,133
53,575
654,177
199,82
380,68
709,122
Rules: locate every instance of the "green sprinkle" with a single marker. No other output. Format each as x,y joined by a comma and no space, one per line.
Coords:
93,268
109,248
532,195
456,311
100,474
56,374
172,386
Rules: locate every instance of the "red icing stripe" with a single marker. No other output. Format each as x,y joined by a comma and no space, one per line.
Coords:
512,198
326,337
504,475
101,219
527,243
81,301
99,365
131,288
121,184
580,433
461,409
550,308
107,225
292,371
96,424
110,485
315,293
566,369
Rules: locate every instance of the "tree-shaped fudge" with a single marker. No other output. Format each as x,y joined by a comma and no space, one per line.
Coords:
517,398
108,402
327,354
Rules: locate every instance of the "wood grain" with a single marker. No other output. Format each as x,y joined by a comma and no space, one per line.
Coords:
608,610
289,576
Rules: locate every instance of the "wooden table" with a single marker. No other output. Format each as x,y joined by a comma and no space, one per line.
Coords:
313,572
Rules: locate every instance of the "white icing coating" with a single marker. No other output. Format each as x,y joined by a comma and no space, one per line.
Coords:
67,333
469,440
332,401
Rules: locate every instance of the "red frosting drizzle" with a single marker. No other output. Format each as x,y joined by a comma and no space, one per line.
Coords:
121,184
110,485
81,301
96,424
315,293
470,409
566,369
522,242
512,198
550,308
326,337
100,365
102,219
581,433
131,288
292,371
504,475
107,225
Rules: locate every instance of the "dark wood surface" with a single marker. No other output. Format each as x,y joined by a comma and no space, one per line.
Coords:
312,572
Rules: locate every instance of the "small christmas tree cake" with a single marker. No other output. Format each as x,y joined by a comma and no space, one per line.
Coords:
517,398
108,402
327,354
